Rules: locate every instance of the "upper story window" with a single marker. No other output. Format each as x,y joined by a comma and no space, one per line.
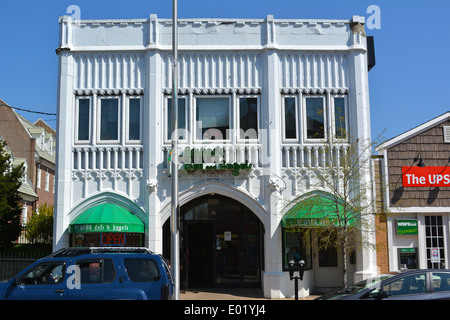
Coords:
109,119
83,120
290,117
117,119
314,118
212,117
134,119
340,117
248,118
182,119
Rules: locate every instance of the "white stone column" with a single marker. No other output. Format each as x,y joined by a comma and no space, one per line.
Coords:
64,138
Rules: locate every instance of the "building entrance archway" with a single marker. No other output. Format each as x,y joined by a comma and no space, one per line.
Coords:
220,244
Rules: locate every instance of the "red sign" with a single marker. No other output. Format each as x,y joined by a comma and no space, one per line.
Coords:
112,239
426,176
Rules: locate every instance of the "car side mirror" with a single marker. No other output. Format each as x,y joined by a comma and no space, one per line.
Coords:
382,295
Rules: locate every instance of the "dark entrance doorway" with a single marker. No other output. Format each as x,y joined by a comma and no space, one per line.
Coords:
220,244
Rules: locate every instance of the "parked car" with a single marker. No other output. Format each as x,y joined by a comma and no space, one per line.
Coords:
93,273
429,284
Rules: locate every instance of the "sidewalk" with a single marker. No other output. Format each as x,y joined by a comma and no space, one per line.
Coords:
230,294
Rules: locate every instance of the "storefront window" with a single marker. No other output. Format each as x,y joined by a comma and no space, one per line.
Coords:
434,236
296,246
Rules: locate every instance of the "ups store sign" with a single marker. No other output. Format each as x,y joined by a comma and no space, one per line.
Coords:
426,176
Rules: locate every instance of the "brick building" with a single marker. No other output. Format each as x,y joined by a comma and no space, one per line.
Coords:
414,170
32,144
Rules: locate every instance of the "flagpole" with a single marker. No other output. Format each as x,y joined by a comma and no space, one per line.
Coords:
175,254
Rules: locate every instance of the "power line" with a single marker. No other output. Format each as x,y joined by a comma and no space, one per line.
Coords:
30,111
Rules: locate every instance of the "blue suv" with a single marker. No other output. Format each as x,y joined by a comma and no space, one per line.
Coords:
93,274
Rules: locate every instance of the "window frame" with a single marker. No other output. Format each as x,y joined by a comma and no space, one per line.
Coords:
228,132
283,120
305,118
333,116
238,118
119,119
77,119
308,259
101,261
127,118
166,119
56,263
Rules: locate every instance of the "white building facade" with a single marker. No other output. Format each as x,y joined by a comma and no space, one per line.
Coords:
257,101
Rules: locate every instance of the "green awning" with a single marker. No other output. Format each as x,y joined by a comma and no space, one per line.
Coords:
319,211
106,218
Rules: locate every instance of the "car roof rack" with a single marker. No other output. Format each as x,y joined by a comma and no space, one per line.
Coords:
75,251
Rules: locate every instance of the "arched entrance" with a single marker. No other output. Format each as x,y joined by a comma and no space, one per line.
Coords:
220,244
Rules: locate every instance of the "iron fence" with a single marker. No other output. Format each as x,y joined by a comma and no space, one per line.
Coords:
13,262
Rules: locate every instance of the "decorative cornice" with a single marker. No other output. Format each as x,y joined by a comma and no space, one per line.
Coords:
312,91
246,90
108,92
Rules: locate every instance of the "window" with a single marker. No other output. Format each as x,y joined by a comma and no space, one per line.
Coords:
142,269
340,123
44,273
47,181
296,246
248,118
38,178
181,119
441,281
290,118
411,284
212,118
434,237
83,120
134,119
96,271
315,117
109,119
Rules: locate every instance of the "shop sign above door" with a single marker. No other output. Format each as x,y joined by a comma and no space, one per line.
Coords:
426,176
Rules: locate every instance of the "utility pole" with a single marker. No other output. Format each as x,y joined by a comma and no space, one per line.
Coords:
175,255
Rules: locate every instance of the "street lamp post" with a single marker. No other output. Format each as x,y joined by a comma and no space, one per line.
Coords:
300,266
174,218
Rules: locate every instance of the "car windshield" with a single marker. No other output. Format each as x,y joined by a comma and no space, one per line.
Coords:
369,282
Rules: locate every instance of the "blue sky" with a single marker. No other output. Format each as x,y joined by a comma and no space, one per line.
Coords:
408,86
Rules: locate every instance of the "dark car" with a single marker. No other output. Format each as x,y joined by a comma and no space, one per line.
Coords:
428,284
94,274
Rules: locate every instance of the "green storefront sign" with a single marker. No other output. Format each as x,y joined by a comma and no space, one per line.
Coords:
407,227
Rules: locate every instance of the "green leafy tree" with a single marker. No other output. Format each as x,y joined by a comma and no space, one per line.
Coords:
10,206
40,226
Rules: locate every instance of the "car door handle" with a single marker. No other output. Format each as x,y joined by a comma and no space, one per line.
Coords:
59,291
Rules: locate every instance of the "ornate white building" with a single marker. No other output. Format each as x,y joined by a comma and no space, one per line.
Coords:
265,95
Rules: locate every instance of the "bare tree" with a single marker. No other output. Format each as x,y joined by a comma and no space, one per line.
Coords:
341,209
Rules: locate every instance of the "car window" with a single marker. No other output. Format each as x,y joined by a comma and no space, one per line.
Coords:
441,281
142,270
409,284
96,270
44,273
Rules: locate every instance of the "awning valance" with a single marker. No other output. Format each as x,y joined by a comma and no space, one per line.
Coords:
319,211
106,217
